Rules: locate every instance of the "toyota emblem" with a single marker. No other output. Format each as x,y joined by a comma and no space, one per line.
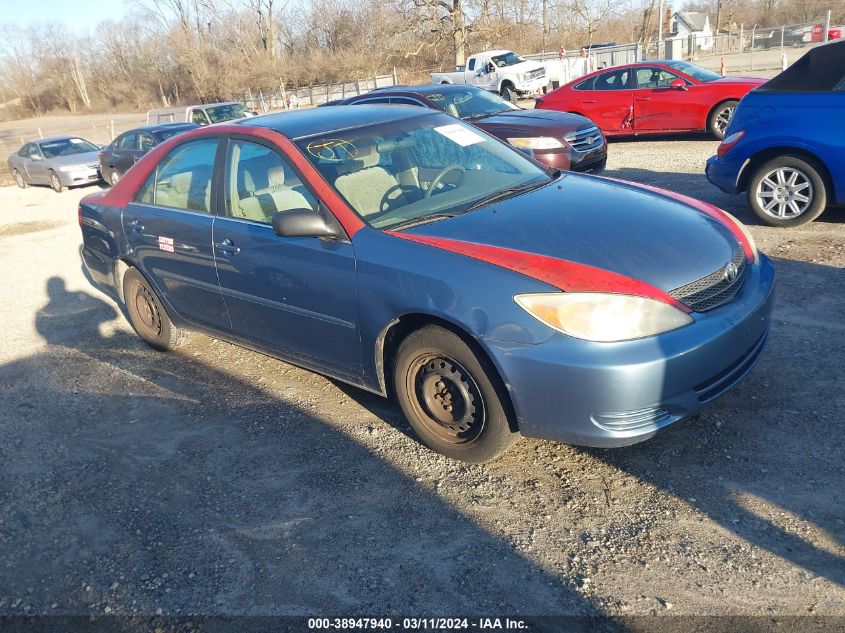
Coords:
731,272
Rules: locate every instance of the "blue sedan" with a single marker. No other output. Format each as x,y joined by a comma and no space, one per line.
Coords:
410,254
783,146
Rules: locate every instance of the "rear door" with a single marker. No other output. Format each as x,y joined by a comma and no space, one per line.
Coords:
608,99
659,106
123,154
168,228
295,295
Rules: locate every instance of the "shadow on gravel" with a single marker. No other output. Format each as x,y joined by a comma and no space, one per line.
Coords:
138,481
697,186
765,461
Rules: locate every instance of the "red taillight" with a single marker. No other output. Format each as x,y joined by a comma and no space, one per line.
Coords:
727,144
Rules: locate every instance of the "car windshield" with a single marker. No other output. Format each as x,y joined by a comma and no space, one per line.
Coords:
470,103
66,147
226,112
696,72
419,169
508,59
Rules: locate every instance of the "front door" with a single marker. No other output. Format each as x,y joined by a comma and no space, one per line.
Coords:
659,106
607,99
168,229
124,151
35,166
294,295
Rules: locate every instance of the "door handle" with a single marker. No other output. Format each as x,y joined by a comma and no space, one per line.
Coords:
588,101
642,99
136,226
227,247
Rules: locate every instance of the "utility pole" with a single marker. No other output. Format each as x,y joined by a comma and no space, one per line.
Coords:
660,30
544,29
826,27
718,17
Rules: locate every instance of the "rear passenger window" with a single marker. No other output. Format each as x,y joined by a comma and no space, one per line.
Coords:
182,179
259,183
614,80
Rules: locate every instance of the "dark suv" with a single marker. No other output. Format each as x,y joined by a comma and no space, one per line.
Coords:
557,139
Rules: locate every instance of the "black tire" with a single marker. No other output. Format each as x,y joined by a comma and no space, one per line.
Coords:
20,181
148,316
508,93
773,185
55,182
719,118
436,373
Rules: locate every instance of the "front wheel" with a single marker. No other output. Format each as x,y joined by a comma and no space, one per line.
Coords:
787,191
509,94
148,316
451,397
55,182
720,118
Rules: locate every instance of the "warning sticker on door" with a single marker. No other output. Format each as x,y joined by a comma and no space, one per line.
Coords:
459,134
165,244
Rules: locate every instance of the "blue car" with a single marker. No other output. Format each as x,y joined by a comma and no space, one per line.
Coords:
784,145
412,255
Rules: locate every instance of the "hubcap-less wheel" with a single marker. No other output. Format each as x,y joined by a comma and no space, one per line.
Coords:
447,398
148,315
785,193
19,179
114,177
55,183
723,118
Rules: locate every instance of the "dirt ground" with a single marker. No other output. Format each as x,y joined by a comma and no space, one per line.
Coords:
216,480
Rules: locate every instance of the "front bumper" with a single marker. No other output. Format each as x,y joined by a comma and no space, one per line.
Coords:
616,394
724,173
83,176
566,158
533,87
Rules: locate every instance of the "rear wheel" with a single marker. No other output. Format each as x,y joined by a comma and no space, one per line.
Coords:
55,182
114,176
451,397
719,119
19,180
787,191
148,316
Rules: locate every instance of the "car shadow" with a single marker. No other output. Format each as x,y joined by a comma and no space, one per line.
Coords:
697,186
142,482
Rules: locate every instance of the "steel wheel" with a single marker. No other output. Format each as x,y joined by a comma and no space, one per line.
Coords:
785,193
446,398
149,319
114,177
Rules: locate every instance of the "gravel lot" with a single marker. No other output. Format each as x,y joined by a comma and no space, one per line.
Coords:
219,481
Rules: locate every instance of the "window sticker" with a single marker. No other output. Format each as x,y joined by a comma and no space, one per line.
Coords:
332,150
76,141
459,134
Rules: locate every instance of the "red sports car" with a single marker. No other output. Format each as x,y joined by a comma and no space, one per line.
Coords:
653,97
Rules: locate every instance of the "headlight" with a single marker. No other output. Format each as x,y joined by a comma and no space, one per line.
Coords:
70,167
747,235
603,317
536,142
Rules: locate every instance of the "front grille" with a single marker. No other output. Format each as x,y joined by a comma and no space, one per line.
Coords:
714,289
535,74
585,140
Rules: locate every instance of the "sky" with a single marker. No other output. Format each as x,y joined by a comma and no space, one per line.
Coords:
77,15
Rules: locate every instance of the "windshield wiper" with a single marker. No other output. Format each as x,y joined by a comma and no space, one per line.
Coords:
504,194
426,219
474,117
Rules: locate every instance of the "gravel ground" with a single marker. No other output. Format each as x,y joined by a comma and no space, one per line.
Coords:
219,481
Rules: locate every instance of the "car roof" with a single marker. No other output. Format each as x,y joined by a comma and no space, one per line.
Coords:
426,89
161,127
57,137
303,123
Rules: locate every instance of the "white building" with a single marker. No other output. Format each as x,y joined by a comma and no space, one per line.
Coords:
692,27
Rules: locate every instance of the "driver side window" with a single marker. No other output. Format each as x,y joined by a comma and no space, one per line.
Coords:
260,183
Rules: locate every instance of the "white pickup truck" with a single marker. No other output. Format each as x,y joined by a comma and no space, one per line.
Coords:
503,72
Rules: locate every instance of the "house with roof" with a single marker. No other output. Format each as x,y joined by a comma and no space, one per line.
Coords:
694,28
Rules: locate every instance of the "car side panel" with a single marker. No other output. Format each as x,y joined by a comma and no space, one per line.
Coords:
102,240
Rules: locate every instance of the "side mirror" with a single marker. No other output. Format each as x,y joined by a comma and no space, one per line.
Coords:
36,157
303,223
678,84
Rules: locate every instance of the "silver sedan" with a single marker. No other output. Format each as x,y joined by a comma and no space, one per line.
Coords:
58,161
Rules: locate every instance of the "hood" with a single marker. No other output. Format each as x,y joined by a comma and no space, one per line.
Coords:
522,67
756,81
599,222
533,123
87,158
